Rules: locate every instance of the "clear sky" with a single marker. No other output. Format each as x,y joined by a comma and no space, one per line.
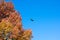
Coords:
46,16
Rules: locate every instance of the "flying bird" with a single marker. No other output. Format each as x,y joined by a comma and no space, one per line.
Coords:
31,19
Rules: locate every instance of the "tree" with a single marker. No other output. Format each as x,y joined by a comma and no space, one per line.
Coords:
10,24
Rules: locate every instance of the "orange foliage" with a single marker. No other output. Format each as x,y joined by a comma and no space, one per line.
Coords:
10,24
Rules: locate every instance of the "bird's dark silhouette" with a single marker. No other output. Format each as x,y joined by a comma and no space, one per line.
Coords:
31,19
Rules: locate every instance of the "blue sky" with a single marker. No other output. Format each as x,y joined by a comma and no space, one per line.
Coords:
46,16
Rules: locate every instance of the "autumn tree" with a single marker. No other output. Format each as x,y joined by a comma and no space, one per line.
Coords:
10,23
